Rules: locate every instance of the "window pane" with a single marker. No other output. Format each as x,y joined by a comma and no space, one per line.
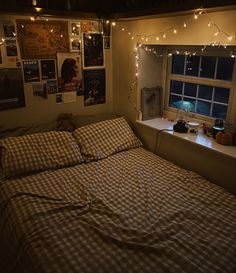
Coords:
205,92
207,69
190,89
178,64
192,65
189,104
174,100
221,95
225,68
176,87
203,108
219,111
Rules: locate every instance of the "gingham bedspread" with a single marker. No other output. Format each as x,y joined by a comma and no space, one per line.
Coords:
130,212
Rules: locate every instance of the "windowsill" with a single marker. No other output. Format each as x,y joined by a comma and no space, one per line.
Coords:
198,139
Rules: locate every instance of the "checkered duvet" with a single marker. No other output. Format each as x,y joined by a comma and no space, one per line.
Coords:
130,212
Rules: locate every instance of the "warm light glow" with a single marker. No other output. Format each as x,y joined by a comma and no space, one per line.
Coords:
164,36
175,31
230,38
38,9
195,16
157,38
132,37
32,18
123,29
185,25
52,30
34,2
209,24
216,33
113,24
107,21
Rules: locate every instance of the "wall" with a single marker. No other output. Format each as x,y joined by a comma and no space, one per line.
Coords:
197,32
215,167
44,111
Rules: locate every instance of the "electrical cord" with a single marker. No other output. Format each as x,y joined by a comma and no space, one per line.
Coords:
157,137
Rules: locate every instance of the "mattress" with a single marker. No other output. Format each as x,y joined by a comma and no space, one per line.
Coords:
130,212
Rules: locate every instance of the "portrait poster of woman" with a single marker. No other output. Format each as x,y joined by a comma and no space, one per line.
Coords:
70,76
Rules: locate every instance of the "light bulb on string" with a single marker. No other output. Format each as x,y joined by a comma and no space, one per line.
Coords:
113,24
174,31
185,25
157,38
209,24
195,16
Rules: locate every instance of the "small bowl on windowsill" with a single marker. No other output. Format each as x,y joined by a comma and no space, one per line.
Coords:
193,127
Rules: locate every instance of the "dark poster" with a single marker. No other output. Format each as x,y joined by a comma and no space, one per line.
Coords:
31,71
48,69
93,50
11,88
94,87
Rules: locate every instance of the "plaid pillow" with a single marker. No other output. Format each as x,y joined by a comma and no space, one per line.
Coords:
37,152
105,138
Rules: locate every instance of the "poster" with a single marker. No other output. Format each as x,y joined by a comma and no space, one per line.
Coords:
11,88
94,87
31,71
39,90
89,26
11,47
52,86
48,69
70,77
41,39
9,29
93,50
75,28
151,102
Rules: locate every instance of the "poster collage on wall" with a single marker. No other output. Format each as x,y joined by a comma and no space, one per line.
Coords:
63,59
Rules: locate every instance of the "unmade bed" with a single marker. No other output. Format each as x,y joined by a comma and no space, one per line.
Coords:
97,201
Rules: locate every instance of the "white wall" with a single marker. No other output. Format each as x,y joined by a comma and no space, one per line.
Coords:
216,168
197,32
43,111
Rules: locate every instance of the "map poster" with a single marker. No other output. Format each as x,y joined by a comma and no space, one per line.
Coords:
42,39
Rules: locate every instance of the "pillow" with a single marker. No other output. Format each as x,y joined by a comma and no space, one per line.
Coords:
105,138
37,152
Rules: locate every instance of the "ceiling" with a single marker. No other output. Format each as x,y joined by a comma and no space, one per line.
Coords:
111,8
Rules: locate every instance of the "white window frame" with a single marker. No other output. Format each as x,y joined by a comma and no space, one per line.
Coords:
231,85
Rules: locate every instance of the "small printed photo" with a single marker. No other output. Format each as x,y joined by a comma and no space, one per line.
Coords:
31,71
52,86
9,29
75,29
89,26
48,69
59,98
39,90
11,48
75,44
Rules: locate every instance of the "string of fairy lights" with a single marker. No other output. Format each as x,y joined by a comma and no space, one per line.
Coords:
141,41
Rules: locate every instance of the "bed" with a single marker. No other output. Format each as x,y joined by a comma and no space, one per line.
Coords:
96,201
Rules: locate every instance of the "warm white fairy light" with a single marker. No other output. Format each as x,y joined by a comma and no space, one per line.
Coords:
3,40
32,18
195,16
52,30
185,25
175,31
113,24
209,24
123,29
216,33
230,38
157,38
132,37
164,36
107,22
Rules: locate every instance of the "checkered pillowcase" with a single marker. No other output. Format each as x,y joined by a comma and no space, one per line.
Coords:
37,152
105,138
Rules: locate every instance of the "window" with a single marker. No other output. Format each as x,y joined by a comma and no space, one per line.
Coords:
201,84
